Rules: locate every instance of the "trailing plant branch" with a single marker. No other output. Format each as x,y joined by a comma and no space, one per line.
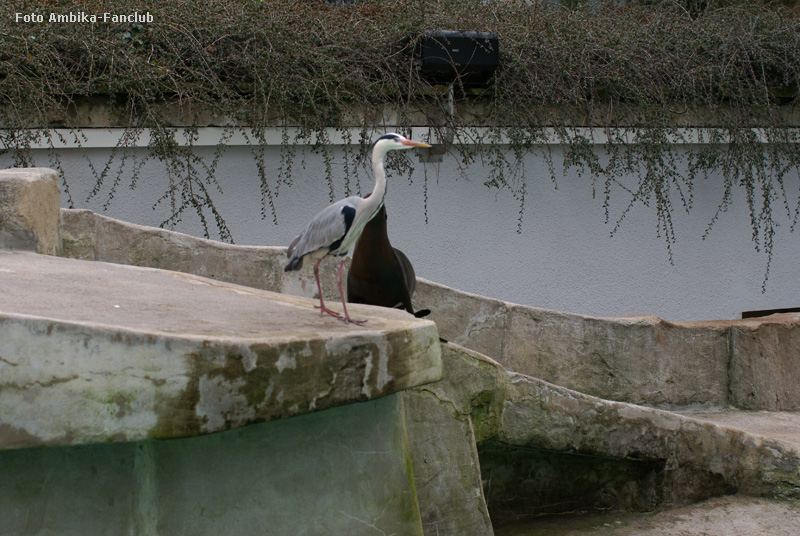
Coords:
649,67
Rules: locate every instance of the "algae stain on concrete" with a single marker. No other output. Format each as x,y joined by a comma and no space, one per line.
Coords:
484,415
227,388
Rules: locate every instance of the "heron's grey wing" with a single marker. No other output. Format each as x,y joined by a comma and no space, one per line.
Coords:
290,249
327,227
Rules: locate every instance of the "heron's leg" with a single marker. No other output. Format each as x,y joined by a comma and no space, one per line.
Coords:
346,318
321,306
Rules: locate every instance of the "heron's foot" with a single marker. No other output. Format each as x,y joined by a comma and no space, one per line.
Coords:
348,320
324,310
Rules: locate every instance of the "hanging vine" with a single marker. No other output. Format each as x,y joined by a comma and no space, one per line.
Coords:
639,74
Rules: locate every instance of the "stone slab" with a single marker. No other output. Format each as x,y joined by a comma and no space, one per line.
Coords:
95,352
765,358
642,360
470,320
447,472
701,459
748,364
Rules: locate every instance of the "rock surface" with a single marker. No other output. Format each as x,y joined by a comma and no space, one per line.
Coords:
89,236
94,352
781,425
29,210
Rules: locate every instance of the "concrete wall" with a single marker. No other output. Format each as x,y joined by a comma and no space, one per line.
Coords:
749,364
310,475
564,259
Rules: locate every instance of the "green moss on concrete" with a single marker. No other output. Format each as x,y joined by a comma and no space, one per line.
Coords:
484,415
77,248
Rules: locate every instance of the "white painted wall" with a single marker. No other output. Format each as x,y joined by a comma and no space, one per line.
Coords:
564,259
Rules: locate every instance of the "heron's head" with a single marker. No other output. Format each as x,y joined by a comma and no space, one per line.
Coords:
394,142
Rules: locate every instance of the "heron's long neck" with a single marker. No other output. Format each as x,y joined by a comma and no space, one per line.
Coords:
375,199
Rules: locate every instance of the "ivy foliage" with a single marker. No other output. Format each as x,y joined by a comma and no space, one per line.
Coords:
642,73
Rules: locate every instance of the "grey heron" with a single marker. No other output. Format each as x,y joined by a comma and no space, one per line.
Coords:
334,229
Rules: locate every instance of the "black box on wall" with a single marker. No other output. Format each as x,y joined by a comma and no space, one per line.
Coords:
446,56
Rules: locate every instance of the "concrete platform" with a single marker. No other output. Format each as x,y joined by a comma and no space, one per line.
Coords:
92,352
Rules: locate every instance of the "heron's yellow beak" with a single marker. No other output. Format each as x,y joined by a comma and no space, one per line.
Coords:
412,143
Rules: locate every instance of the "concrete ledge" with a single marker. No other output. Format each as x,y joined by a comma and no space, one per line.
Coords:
89,236
92,352
639,359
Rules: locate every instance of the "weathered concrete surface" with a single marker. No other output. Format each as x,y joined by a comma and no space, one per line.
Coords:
29,208
765,358
642,359
340,471
89,236
94,352
447,472
636,457
89,489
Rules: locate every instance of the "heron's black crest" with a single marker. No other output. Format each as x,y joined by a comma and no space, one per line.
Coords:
390,136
